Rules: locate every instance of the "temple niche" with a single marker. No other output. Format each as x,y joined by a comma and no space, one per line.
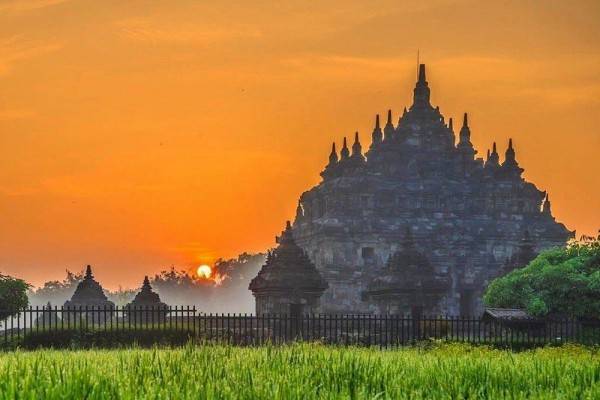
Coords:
147,307
89,300
467,215
288,282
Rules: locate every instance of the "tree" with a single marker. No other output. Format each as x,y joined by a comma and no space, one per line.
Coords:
562,281
57,292
228,293
13,296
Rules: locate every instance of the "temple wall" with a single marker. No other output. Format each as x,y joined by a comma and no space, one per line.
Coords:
348,262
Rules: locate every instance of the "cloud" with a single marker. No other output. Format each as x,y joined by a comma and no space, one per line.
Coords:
148,30
15,49
21,6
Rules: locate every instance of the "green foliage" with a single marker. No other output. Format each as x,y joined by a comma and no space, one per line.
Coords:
559,281
13,296
302,372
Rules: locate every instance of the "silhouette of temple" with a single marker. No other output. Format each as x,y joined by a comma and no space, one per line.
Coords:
89,293
288,283
418,223
146,307
89,301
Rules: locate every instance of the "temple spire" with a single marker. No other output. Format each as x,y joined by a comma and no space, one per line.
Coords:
333,157
330,169
88,272
510,159
510,156
422,78
510,164
547,207
388,130
286,236
421,91
464,143
493,158
356,147
465,132
345,153
146,284
377,135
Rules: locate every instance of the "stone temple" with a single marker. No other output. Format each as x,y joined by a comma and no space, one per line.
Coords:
289,282
418,223
88,302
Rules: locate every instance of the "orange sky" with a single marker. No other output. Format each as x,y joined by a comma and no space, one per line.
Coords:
136,135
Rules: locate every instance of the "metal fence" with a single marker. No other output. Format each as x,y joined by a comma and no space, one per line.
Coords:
44,326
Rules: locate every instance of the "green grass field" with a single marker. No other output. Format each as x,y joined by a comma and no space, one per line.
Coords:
301,372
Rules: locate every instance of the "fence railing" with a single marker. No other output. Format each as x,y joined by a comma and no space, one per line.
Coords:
45,326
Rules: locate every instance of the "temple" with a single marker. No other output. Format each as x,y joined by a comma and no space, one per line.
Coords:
419,223
288,283
146,307
89,300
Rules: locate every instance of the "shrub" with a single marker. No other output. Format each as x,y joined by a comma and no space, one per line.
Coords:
559,281
77,338
13,296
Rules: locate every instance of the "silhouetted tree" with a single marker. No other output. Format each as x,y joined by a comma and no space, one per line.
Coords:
13,296
57,292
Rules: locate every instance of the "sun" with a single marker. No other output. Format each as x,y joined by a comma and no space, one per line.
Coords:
204,271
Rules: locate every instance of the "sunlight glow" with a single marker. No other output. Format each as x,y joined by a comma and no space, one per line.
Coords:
204,271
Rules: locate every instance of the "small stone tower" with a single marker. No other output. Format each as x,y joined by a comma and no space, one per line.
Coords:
288,283
89,293
146,307
408,283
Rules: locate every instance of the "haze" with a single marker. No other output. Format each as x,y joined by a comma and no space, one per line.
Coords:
142,134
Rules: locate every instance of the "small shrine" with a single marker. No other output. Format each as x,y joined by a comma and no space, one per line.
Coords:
289,282
89,296
147,307
408,283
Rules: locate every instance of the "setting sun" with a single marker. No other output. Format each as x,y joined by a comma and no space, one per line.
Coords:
204,271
